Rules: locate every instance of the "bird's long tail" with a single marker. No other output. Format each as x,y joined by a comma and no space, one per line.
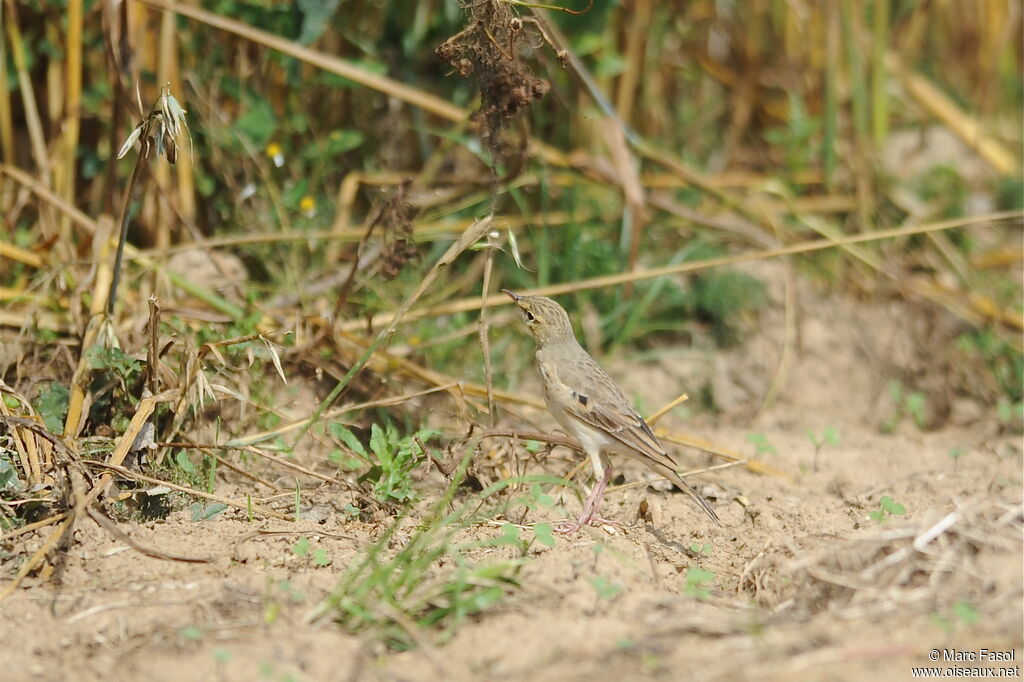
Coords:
684,486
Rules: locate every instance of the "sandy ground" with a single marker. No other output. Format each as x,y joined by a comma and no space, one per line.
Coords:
806,585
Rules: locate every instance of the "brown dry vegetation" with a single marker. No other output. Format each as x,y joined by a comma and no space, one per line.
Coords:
301,439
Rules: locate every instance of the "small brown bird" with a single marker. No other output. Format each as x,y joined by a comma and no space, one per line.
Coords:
586,401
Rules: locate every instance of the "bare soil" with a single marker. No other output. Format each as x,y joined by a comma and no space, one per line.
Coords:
806,585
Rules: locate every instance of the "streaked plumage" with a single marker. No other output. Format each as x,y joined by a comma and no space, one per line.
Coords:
585,400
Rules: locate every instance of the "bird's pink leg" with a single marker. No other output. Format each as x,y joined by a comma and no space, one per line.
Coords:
590,507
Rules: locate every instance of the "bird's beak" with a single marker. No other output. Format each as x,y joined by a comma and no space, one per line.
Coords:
514,296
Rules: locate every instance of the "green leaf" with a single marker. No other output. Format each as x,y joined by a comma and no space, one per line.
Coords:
338,142
8,475
605,588
761,444
965,613
191,633
52,406
336,81
540,497
915,406
542,531
301,547
891,506
206,511
696,578
321,557
379,444
184,463
315,16
115,360
342,433
510,534
258,123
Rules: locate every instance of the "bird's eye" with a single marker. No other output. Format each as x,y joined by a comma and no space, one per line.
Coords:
529,316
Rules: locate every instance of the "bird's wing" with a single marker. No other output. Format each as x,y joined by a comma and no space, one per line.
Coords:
591,397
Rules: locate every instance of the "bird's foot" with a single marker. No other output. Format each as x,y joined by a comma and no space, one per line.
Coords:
568,528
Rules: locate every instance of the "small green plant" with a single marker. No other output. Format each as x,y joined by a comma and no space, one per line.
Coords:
186,471
906,403
114,360
606,589
799,138
761,444
1006,364
961,613
724,299
392,460
301,547
52,405
955,453
8,473
698,548
206,511
1010,414
386,592
191,633
542,533
830,436
697,580
887,507
319,556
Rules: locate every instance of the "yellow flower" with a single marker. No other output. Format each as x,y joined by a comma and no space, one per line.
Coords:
308,206
276,154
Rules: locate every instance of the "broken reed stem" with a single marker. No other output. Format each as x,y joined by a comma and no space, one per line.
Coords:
33,526
467,239
142,413
661,412
125,205
22,437
485,344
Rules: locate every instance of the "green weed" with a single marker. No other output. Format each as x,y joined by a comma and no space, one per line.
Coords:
395,457
962,613
697,580
887,508
606,589
907,403
430,584
52,405
830,436
761,444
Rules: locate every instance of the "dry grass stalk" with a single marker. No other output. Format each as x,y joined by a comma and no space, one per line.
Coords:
465,305
966,127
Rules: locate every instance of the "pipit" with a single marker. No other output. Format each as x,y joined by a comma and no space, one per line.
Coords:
585,400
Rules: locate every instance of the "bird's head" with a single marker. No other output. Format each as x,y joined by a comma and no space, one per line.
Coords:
547,321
